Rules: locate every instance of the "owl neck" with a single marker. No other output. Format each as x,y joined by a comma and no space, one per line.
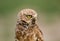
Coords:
33,21
25,24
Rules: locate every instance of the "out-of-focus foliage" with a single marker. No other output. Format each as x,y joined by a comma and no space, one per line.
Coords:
42,5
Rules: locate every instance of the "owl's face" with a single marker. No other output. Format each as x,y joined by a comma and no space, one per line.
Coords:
27,15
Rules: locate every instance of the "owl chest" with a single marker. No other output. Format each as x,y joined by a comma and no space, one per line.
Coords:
26,35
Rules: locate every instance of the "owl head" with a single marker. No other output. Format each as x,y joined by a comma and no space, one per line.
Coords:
27,15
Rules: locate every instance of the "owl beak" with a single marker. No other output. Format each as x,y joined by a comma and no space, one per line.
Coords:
28,22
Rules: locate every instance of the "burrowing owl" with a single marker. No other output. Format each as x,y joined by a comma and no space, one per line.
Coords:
26,27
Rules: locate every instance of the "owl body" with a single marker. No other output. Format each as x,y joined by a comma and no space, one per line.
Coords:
28,30
32,33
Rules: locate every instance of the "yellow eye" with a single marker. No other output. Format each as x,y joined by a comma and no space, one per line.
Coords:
29,16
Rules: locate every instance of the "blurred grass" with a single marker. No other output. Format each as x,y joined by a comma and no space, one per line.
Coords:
44,5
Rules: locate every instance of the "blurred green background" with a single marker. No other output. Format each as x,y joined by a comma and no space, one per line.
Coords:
48,17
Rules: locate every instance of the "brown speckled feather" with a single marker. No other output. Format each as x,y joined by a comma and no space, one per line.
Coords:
26,28
33,33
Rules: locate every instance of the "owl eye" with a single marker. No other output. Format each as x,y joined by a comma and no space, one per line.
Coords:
29,16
